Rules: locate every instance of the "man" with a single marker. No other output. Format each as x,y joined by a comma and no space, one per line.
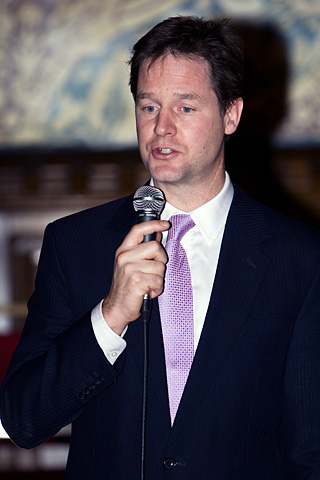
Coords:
250,406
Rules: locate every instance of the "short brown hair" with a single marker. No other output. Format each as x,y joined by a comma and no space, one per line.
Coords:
195,37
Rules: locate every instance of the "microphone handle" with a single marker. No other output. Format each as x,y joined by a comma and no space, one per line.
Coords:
148,217
147,301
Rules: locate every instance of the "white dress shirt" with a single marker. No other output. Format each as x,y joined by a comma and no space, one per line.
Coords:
202,245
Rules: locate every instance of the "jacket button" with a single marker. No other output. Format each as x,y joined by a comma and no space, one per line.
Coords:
170,463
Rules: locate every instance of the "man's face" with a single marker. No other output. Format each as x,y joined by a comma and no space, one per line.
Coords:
179,125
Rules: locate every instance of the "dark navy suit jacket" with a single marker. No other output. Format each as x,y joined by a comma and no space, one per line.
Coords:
251,407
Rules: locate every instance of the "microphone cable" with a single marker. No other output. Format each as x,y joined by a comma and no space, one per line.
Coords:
148,202
145,315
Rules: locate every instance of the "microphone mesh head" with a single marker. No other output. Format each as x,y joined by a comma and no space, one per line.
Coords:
148,198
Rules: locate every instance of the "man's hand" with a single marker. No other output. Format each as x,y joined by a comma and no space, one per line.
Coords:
138,269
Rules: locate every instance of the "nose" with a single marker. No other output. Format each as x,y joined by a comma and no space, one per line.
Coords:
165,124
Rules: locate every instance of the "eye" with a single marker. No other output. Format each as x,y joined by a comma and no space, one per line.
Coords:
149,109
187,109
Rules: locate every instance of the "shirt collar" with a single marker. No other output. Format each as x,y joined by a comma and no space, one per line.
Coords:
211,217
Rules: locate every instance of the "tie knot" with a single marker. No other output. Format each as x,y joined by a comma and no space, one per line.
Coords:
181,224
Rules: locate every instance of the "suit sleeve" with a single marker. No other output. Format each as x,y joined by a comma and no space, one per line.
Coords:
302,391
58,366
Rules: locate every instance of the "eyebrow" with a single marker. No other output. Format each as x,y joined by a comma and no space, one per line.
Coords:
143,95
181,96
188,96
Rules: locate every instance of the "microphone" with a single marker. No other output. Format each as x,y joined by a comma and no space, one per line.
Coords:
148,202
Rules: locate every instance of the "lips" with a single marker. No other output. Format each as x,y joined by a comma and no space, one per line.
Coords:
163,152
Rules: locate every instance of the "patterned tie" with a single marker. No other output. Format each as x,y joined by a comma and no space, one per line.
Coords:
176,311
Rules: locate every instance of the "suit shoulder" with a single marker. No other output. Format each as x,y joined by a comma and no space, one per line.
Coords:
290,228
266,222
94,217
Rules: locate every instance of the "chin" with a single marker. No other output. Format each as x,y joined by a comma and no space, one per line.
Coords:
165,175
165,180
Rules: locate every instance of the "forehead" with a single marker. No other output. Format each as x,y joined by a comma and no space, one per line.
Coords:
175,70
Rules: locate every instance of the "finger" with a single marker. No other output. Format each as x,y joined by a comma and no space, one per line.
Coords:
149,280
138,231
150,251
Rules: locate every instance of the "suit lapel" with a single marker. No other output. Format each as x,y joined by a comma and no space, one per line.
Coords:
112,234
241,268
158,379
118,224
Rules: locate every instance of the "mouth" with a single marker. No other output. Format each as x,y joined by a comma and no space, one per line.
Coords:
165,151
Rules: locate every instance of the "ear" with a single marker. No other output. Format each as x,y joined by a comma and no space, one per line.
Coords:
232,116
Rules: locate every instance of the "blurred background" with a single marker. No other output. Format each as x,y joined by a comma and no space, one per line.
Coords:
68,142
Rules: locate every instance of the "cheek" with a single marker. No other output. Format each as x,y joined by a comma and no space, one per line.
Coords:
211,135
202,138
141,133
144,130
196,134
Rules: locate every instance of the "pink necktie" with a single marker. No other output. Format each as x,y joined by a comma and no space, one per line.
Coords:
176,312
